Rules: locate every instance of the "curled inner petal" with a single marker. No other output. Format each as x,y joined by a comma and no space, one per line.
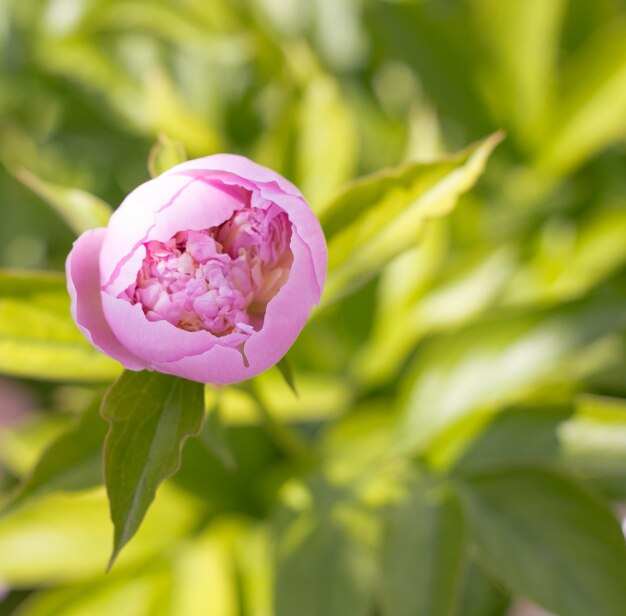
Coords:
218,279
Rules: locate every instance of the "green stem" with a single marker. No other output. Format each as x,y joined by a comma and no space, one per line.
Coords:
288,441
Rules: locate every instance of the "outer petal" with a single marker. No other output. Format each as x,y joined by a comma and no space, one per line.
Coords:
239,165
157,210
269,185
156,341
83,284
285,317
307,226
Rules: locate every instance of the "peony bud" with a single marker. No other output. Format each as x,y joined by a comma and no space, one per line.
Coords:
208,272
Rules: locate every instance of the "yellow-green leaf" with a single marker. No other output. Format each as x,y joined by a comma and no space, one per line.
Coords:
38,338
78,208
379,216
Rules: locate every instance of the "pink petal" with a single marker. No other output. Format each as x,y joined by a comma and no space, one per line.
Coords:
83,283
239,165
157,341
307,226
285,317
156,210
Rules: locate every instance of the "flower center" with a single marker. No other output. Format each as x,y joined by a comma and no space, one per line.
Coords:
219,279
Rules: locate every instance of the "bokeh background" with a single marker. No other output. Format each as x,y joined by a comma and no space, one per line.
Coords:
497,345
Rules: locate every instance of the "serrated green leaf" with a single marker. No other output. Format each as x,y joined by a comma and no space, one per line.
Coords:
422,553
38,338
78,208
150,416
548,540
378,217
165,154
72,462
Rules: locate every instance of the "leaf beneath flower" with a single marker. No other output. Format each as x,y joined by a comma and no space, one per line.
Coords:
150,416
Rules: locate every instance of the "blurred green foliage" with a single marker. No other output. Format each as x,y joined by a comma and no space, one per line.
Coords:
458,442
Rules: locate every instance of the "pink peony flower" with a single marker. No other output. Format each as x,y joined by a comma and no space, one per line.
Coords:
208,272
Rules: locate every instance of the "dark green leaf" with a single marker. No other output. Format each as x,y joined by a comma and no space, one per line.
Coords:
325,561
548,540
481,595
422,553
150,416
286,370
214,437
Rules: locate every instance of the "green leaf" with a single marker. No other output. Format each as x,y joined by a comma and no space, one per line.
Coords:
327,140
379,216
150,416
286,371
498,361
71,463
422,553
325,561
38,338
78,208
165,154
63,538
214,437
517,75
592,109
593,441
518,435
481,595
549,540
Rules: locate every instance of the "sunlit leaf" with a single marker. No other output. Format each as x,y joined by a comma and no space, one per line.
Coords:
164,155
592,110
78,208
498,361
38,338
63,538
548,540
593,441
327,140
422,553
457,295
150,416
519,84
146,589
72,462
379,216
